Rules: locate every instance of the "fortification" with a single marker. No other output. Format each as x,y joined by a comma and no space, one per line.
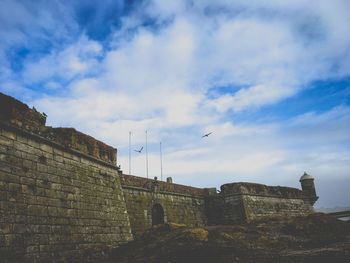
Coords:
61,192
151,202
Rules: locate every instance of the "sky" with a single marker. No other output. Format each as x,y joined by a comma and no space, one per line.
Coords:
270,79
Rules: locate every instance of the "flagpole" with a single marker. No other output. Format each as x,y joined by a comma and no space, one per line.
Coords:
161,161
146,157
130,152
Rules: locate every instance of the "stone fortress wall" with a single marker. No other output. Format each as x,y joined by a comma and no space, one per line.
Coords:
256,201
148,199
54,200
61,192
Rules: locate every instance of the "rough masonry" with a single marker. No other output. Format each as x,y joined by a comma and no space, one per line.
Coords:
61,192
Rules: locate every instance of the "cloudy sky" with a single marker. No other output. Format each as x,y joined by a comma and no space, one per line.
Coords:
270,79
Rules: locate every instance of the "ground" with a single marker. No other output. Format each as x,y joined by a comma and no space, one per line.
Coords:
316,238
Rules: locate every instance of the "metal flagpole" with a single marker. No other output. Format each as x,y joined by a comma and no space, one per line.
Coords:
161,161
146,157
130,152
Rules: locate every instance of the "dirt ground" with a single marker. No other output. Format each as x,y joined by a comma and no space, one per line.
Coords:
316,238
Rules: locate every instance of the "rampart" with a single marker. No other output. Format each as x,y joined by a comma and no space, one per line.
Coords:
61,192
58,194
17,114
177,203
244,202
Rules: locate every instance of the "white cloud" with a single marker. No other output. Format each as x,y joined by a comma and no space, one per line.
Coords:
252,97
160,78
77,59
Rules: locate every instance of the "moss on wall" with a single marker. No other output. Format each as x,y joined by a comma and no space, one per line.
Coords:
54,202
214,208
181,209
261,206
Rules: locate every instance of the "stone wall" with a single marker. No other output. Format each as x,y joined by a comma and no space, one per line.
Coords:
18,114
56,201
181,204
244,202
265,206
14,112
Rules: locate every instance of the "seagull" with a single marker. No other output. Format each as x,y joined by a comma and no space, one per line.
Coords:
139,151
206,135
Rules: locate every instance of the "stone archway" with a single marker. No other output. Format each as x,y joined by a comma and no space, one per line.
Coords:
157,215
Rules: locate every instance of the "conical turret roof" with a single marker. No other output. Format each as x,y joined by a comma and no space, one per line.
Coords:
306,177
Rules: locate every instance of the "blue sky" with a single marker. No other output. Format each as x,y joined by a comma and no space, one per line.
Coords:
270,79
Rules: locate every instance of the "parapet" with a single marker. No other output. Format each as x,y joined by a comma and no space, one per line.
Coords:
260,190
19,115
151,184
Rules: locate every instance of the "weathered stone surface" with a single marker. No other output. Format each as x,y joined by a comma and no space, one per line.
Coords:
136,181
184,209
261,190
49,206
18,114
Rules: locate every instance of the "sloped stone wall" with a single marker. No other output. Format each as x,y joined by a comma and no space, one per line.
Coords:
264,206
55,201
17,114
244,202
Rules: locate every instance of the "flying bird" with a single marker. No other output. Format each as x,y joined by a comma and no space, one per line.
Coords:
139,151
206,135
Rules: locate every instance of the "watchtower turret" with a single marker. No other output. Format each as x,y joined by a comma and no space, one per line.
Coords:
308,187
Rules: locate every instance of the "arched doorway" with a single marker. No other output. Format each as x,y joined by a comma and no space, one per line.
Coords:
157,215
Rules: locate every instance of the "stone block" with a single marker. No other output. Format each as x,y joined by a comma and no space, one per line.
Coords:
3,186
53,211
53,202
27,189
52,170
55,186
19,228
32,249
4,196
58,158
37,210
21,219
13,240
43,182
76,158
6,142
39,191
19,146
42,239
5,228
41,168
27,181
14,187
22,139
8,177
46,148
67,155
30,199
9,134
2,241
